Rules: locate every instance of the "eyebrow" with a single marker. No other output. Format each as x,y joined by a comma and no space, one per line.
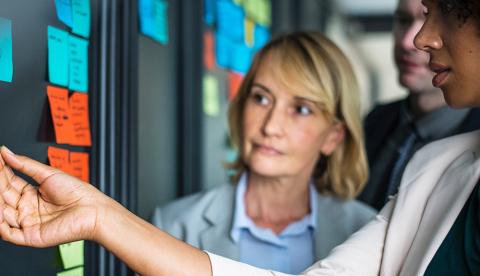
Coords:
263,87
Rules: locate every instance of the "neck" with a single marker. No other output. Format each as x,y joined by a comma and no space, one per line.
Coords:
425,102
274,203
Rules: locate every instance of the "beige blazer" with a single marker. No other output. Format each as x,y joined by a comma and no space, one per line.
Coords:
404,237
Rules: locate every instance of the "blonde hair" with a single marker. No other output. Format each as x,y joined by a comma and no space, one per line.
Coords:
309,62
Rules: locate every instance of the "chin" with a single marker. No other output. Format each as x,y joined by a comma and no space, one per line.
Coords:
455,100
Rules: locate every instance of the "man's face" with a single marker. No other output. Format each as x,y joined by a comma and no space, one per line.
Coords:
413,71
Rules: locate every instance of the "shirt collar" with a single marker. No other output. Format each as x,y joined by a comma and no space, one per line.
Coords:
242,221
437,124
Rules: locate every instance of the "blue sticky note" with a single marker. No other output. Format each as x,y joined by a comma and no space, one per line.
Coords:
241,58
81,17
209,12
58,61
6,63
147,24
64,11
230,20
262,35
222,50
78,53
160,8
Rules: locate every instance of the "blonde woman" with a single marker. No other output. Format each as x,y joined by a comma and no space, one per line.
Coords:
296,124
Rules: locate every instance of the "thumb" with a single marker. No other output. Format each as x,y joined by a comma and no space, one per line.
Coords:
34,169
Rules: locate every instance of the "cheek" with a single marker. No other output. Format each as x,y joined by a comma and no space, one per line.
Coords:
307,140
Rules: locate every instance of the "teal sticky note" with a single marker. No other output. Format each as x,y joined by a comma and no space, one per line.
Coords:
73,272
81,17
6,61
58,61
72,254
160,8
78,65
64,11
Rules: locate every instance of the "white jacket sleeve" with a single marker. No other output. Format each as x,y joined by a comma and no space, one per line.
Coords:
361,254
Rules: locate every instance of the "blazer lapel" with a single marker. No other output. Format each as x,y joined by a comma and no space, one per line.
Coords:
219,214
445,203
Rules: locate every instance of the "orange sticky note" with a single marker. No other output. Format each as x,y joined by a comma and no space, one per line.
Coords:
208,51
59,106
80,120
79,165
59,158
234,83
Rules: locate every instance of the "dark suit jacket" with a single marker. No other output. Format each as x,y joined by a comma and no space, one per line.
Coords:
379,124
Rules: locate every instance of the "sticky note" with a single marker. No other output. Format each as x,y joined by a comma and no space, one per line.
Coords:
59,158
160,8
58,61
211,96
208,50
249,26
78,64
64,11
223,50
241,58
145,10
260,11
209,12
79,119
230,20
59,107
81,17
79,165
6,60
234,83
72,254
73,272
262,35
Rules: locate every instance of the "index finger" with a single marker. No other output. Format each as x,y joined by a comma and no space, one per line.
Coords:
34,169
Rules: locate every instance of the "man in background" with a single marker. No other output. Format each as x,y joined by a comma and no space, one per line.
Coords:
394,131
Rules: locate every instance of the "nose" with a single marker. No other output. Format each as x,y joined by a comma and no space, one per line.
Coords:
406,39
428,38
274,122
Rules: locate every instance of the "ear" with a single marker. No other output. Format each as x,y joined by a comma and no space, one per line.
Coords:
335,137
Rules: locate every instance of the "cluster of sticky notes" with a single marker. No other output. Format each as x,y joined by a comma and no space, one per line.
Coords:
75,14
74,163
67,60
70,116
211,95
241,30
154,19
6,60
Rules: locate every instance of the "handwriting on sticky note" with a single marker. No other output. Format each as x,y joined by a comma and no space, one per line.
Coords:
79,165
58,56
74,163
81,17
59,106
80,119
78,53
6,60
70,116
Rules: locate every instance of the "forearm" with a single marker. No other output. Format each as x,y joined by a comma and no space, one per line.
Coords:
145,248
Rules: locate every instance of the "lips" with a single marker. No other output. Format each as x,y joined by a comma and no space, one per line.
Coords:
267,149
441,73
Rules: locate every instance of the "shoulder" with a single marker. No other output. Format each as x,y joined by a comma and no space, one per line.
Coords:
381,109
440,154
191,208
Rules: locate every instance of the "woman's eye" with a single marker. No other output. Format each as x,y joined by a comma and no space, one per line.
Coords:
303,110
261,99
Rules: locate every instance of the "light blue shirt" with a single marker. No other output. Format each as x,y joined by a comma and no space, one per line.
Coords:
292,251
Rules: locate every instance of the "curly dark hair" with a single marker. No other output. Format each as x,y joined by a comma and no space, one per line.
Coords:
463,9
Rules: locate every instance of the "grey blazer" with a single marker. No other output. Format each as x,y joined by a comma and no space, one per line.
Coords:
204,220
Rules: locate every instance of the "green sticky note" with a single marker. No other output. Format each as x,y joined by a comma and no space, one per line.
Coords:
72,254
81,17
73,272
211,96
6,60
160,8
78,64
260,11
58,61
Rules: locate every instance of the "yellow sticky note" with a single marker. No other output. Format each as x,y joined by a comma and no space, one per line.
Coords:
249,32
72,254
73,272
211,96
